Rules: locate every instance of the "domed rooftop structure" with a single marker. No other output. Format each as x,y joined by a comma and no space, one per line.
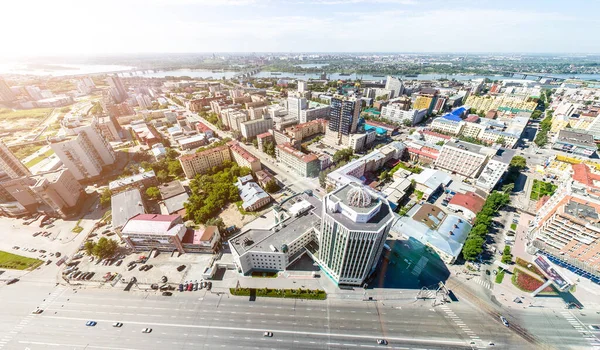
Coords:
359,197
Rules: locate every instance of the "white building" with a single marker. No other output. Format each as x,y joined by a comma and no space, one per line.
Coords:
396,114
251,128
295,106
395,86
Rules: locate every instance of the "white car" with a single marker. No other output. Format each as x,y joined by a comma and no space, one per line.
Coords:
117,324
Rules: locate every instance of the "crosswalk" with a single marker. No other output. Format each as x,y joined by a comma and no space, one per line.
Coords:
486,284
581,328
25,321
476,341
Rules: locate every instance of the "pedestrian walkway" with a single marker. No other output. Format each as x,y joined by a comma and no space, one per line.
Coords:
475,341
581,328
486,284
25,321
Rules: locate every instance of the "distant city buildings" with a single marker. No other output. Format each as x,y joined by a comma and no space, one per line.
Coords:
11,164
117,90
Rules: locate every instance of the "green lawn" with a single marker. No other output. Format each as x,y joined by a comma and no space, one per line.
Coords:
25,151
38,159
36,113
17,262
281,293
500,276
77,228
540,189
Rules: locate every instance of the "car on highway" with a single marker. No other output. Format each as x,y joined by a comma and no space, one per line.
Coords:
504,321
268,334
91,323
37,311
37,234
117,324
14,280
382,342
146,330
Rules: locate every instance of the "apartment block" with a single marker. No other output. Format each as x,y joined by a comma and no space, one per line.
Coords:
306,165
10,164
314,111
242,157
464,158
109,127
251,128
447,126
396,114
85,151
200,162
301,131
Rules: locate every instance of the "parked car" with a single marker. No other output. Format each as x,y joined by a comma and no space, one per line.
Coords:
180,287
166,294
119,263
190,286
504,321
57,254
208,285
36,234
180,268
132,267
195,288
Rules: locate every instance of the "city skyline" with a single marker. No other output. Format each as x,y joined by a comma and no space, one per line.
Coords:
181,26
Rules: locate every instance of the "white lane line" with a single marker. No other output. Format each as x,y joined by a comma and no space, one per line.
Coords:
324,334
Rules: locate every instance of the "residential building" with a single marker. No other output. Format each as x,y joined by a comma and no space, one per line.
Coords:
233,118
395,86
494,169
143,101
433,137
117,90
200,162
396,113
302,86
314,111
306,165
263,177
10,164
55,193
84,151
355,224
362,141
445,125
109,127
301,131
188,143
125,205
251,128
140,181
464,158
424,102
422,152
429,226
242,157
567,227
468,203
252,195
343,118
6,94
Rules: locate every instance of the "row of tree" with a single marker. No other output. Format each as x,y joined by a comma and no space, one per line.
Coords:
473,246
541,139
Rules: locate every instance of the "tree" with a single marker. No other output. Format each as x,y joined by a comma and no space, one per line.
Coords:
407,122
255,143
105,248
271,186
384,175
153,192
440,143
518,163
506,255
501,140
342,155
175,168
105,197
472,248
508,188
162,176
89,247
269,148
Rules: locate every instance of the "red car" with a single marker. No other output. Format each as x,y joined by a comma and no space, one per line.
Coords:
190,286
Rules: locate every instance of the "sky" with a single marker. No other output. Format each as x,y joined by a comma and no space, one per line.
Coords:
89,27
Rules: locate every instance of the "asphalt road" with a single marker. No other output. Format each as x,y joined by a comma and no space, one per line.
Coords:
205,320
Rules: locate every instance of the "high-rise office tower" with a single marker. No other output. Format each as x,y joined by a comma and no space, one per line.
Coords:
117,89
302,86
6,94
10,164
395,86
355,224
343,115
85,152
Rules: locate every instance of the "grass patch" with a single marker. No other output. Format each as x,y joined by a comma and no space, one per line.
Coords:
528,283
513,226
22,152
419,194
77,228
524,264
39,158
242,211
540,189
264,274
36,113
500,276
18,262
281,293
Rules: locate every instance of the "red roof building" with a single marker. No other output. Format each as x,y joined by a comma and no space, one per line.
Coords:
468,203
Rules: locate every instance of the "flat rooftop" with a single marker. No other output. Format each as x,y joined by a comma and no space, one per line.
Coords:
262,240
576,137
383,215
